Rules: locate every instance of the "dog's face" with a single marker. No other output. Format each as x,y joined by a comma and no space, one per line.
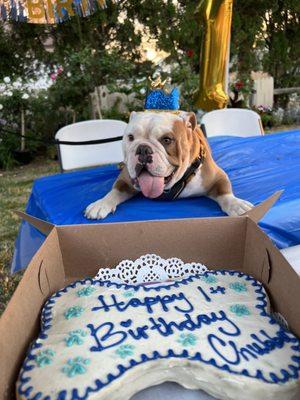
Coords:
158,149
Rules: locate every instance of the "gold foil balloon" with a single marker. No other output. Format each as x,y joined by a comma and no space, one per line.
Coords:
216,17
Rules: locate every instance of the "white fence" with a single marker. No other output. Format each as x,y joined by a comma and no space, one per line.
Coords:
263,91
102,100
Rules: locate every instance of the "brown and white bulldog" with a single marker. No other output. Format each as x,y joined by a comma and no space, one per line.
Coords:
159,149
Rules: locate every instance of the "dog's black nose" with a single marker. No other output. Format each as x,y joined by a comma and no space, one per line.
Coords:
144,152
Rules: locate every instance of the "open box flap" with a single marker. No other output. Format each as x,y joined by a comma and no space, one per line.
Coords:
43,226
255,214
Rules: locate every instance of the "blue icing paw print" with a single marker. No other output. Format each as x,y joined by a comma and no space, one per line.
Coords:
86,291
240,310
44,357
125,350
128,293
74,311
76,366
75,337
209,279
238,287
187,339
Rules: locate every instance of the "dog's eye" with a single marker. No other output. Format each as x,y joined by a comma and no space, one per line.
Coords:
130,138
167,140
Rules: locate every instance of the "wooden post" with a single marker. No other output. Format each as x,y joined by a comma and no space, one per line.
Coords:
264,89
98,102
92,107
22,129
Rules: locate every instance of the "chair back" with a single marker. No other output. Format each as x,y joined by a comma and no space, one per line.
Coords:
232,122
81,156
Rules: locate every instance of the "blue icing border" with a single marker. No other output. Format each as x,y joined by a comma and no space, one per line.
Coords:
25,389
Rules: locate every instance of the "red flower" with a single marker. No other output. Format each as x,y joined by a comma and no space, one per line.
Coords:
190,53
238,85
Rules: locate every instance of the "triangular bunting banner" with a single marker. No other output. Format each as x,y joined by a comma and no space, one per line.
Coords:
47,11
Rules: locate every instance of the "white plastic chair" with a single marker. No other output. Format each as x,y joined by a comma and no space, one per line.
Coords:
292,254
232,122
81,156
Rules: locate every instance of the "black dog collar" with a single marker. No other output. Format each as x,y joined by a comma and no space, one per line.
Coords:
175,190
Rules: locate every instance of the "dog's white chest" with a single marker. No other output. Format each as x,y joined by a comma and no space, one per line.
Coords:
195,187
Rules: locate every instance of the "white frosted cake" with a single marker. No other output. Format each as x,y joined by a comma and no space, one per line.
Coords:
108,341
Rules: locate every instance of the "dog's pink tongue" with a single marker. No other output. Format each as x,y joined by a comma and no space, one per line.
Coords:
151,186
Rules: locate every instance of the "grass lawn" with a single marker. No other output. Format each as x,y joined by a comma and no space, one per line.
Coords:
15,188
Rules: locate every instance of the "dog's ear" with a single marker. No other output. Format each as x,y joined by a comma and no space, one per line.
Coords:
189,119
132,115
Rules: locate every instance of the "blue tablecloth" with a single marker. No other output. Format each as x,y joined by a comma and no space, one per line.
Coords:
257,167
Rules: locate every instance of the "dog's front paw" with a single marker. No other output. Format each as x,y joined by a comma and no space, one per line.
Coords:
99,209
234,206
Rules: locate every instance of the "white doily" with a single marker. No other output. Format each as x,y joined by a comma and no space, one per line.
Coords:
150,268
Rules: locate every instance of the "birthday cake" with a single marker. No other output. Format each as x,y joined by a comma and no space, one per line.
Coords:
107,341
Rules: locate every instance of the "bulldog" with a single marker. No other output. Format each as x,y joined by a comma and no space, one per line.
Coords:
166,155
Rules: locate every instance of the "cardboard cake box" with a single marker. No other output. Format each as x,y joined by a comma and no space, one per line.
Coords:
77,251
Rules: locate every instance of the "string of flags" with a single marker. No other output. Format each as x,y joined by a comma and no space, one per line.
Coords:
47,11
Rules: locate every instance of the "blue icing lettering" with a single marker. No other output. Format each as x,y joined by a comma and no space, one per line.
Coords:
75,337
239,310
236,330
74,311
76,366
218,289
104,333
126,324
187,339
125,350
193,323
148,302
220,346
44,357
189,308
86,291
204,294
107,335
140,332
263,344
238,287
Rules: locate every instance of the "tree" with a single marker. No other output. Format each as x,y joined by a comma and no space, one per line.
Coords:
247,20
266,35
282,44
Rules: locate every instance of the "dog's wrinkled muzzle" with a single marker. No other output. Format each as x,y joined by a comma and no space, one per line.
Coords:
144,153
151,185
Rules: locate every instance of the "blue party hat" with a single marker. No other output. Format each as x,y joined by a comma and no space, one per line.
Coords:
159,99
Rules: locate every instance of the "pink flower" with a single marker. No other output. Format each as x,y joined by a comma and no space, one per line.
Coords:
59,70
53,76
